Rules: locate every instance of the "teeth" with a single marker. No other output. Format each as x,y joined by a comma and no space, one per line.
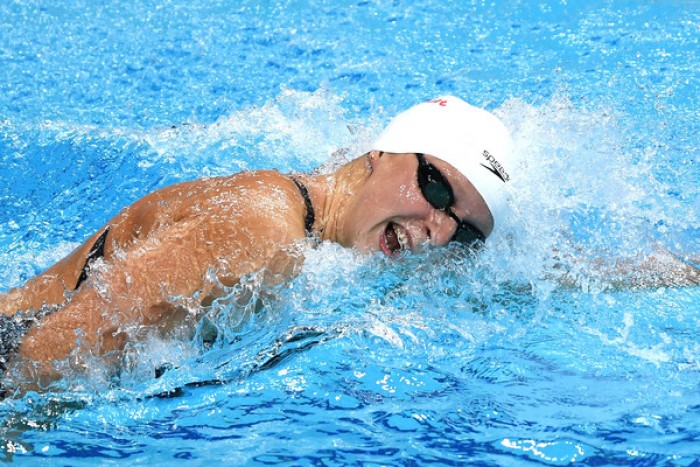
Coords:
402,238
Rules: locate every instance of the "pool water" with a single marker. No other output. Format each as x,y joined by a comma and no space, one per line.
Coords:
443,357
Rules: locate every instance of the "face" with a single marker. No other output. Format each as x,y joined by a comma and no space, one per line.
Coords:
389,213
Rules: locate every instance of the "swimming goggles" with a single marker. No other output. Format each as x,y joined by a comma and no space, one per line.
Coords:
438,192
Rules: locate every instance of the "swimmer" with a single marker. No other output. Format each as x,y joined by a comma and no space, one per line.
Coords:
439,173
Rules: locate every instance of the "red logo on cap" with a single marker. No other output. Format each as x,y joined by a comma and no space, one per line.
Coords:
440,102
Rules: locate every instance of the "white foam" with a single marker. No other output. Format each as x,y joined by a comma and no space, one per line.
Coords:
585,190
297,126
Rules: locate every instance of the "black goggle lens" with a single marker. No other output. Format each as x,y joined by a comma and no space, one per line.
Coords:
436,195
435,188
438,192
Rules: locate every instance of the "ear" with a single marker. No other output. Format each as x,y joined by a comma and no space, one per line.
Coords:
374,155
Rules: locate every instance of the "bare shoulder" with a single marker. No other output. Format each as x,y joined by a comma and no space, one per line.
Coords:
265,203
248,222
239,223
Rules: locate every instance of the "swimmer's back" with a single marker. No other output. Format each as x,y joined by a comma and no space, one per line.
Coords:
248,215
167,252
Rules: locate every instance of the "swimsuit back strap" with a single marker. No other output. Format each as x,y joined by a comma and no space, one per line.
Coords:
97,251
310,216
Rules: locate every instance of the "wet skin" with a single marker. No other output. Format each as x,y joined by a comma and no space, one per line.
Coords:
170,254
161,251
391,200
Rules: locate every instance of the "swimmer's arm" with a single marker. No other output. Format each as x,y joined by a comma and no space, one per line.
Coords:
661,269
666,269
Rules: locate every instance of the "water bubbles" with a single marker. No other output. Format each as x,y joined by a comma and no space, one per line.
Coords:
583,194
527,321
295,132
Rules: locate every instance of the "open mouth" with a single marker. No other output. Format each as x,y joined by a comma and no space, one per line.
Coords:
395,240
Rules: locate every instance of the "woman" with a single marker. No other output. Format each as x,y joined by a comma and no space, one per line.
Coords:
162,260
439,173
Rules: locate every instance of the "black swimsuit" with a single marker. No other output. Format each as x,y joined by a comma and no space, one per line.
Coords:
13,328
310,216
97,251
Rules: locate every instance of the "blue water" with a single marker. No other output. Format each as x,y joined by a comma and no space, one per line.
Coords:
440,357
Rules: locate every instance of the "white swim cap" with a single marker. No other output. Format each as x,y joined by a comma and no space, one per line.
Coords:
472,140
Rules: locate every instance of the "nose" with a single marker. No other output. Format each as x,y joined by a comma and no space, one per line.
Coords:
439,227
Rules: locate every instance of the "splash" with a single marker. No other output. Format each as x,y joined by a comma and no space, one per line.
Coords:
295,132
500,317
584,192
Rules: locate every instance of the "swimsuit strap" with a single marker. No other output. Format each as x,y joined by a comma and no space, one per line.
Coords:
310,216
97,251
